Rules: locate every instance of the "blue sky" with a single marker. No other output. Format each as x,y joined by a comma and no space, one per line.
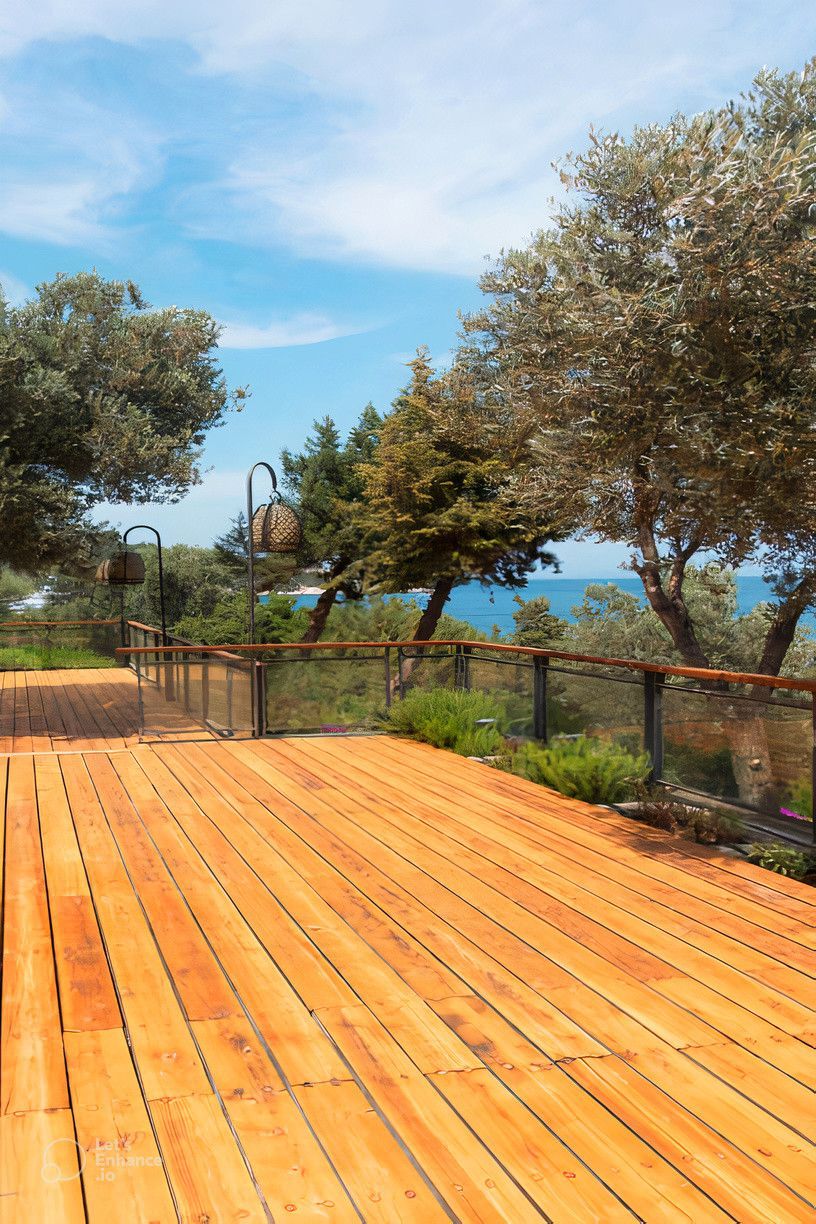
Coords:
328,178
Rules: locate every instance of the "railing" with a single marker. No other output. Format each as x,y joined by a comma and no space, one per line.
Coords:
185,686
53,643
743,738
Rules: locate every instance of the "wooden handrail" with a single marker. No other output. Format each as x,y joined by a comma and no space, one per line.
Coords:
691,673
19,624
181,643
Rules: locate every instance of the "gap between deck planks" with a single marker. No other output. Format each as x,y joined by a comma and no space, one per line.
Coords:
381,982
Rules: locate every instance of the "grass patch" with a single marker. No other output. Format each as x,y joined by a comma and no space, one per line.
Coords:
48,658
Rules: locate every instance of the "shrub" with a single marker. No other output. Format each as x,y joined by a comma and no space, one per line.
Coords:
447,718
713,828
583,769
801,801
710,826
784,860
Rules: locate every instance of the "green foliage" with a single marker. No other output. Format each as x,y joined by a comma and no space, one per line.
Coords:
103,399
661,334
448,718
195,581
227,623
784,860
326,482
801,799
377,619
14,587
440,502
613,622
584,768
40,658
536,625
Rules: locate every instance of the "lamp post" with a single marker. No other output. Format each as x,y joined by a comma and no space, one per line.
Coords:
146,527
272,528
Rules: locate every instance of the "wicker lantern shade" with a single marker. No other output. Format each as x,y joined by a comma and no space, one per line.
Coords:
125,569
276,529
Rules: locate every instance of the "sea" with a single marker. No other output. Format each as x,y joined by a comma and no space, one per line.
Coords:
485,607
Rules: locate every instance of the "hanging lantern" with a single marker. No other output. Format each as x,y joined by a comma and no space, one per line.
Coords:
125,569
276,529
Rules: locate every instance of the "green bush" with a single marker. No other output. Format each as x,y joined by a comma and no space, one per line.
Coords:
448,718
784,860
583,768
801,800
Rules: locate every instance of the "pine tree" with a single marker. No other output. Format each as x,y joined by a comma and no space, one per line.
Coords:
325,482
443,502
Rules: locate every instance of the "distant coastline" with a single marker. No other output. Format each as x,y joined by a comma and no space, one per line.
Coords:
486,607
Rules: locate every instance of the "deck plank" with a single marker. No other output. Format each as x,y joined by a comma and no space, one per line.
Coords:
124,1176
33,1068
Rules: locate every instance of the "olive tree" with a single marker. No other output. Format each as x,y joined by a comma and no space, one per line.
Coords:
101,399
662,332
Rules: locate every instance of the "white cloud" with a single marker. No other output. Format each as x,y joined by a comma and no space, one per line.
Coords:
13,289
428,130
287,333
69,164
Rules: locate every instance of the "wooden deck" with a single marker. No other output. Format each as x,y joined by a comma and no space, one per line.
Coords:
84,710
358,978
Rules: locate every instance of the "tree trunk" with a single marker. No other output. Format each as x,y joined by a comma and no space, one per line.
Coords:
747,735
433,610
671,610
782,629
319,615
426,626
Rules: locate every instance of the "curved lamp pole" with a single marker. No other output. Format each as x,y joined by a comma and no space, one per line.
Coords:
250,545
146,527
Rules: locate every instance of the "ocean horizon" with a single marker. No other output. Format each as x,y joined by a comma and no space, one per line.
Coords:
485,607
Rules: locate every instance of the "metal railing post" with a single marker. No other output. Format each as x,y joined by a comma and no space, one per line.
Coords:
229,698
540,727
400,677
259,697
140,695
186,673
387,668
653,721
205,688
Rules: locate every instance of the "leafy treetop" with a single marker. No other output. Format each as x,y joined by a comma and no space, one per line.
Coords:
101,399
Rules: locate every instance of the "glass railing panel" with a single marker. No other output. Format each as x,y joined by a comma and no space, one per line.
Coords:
325,693
208,695
756,753
509,683
26,646
599,704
